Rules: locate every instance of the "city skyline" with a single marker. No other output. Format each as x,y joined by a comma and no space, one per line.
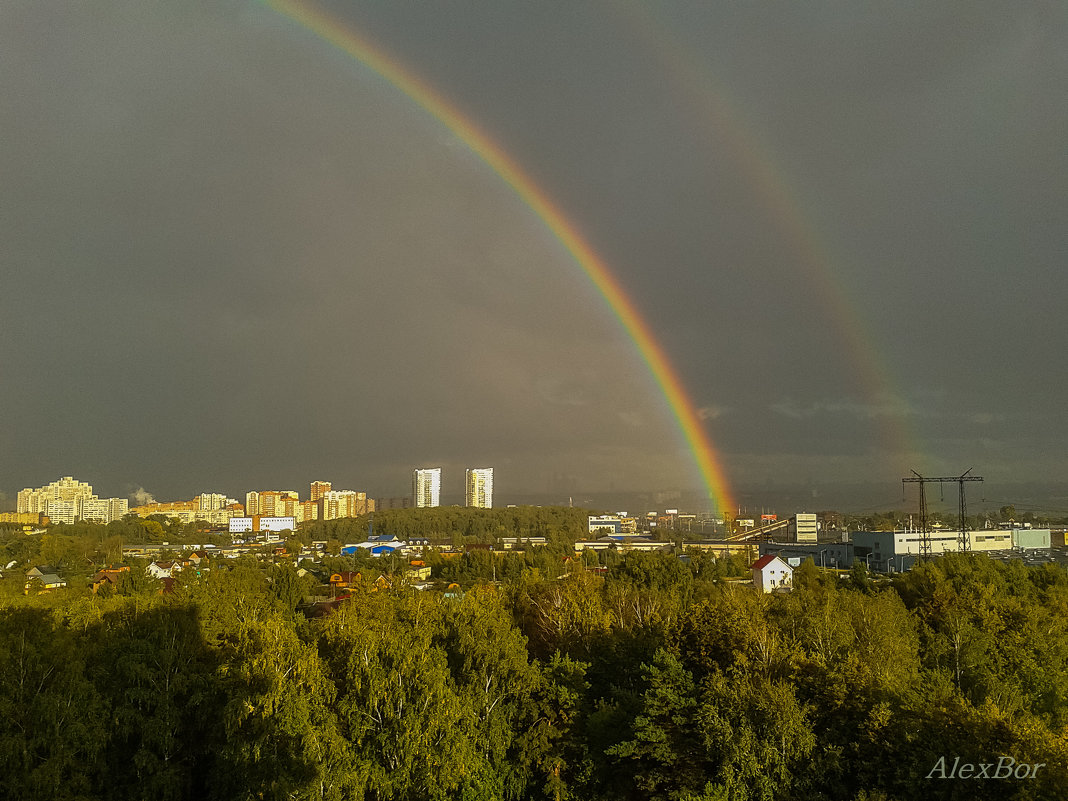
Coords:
216,507
246,247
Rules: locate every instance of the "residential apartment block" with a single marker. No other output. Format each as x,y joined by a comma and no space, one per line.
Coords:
67,501
480,487
345,503
325,503
210,507
426,487
269,503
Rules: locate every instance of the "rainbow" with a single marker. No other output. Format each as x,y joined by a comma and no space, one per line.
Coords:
347,40
710,102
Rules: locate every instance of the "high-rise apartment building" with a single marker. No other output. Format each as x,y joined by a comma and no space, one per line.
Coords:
67,500
289,505
62,511
426,487
346,503
211,501
65,490
480,487
270,503
320,488
102,510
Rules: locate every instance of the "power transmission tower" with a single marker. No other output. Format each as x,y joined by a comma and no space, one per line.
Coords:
963,540
925,535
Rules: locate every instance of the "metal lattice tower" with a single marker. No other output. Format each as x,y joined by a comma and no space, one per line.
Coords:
964,539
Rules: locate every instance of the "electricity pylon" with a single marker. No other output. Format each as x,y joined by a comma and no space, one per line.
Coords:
964,539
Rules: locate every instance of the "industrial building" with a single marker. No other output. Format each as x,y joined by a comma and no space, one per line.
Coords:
888,551
804,527
834,555
895,551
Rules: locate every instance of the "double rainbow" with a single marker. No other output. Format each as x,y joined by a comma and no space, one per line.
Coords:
713,108
349,41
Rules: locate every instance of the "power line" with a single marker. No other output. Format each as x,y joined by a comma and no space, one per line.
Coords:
964,540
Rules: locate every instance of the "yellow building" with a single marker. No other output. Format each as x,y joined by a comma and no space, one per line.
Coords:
480,487
24,518
345,503
269,503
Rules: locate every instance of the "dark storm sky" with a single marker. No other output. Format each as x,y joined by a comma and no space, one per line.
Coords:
235,258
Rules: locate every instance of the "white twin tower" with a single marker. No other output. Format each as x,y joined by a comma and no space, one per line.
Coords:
426,487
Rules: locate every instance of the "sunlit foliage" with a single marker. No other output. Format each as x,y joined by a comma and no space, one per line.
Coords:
661,680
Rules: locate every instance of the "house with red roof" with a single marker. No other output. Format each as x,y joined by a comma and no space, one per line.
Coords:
771,574
109,575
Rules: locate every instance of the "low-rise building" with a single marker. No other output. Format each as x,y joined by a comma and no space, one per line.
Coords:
511,543
887,551
43,578
109,576
342,580
25,518
257,523
162,570
1026,539
622,542
419,572
770,573
835,555
45,583
376,547
603,524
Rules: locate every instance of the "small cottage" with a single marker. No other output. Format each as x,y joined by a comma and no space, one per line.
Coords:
770,574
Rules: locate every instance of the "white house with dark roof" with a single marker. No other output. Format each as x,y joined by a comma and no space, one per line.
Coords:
770,573
161,570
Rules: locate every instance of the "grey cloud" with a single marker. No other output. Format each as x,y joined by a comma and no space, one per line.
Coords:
238,258
890,407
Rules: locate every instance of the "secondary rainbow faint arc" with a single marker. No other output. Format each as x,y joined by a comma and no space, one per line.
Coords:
344,38
704,95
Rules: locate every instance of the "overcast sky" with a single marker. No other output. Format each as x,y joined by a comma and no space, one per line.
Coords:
235,258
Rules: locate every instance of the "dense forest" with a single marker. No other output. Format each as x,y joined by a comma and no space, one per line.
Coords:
663,679
457,525
87,542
